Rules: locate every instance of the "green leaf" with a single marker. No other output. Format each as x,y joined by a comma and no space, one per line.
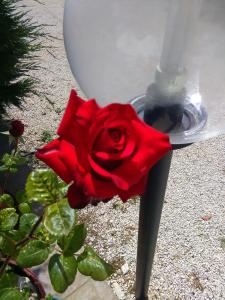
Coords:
63,188
12,140
9,279
44,186
20,160
26,293
32,254
27,221
43,234
59,218
46,136
62,271
15,235
11,162
10,293
21,139
7,246
75,240
13,170
90,264
3,169
21,196
8,219
24,208
49,297
7,200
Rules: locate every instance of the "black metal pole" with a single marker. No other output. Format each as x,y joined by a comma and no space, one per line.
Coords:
149,219
168,119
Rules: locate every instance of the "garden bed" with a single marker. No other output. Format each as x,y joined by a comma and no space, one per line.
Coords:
190,258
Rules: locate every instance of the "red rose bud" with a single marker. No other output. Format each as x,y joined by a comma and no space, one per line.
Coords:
16,128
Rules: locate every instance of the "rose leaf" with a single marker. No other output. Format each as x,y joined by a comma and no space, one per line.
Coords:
90,264
74,241
59,218
62,271
32,254
8,219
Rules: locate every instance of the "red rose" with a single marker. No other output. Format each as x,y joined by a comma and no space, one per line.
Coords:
103,151
16,128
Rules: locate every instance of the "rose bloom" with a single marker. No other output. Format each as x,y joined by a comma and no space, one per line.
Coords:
103,151
16,128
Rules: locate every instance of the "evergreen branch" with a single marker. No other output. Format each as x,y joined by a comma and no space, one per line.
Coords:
20,42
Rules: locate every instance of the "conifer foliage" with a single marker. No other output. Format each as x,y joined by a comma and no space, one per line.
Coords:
19,46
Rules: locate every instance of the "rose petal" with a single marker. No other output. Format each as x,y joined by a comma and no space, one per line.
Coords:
76,197
101,126
153,143
98,187
137,189
73,104
117,156
110,151
119,181
151,146
105,142
118,111
50,154
106,189
68,156
147,146
86,112
75,124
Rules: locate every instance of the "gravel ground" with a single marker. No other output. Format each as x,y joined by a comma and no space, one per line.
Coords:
190,256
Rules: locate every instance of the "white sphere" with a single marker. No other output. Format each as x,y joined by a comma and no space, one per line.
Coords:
114,48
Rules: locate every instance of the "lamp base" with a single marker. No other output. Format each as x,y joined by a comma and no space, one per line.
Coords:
180,117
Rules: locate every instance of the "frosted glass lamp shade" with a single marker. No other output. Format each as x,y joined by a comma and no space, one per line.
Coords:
166,53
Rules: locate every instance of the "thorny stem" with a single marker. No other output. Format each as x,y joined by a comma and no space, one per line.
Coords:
28,153
29,236
6,177
4,266
16,146
22,242
7,174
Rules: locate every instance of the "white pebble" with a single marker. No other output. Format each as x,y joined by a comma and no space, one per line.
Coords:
118,291
125,268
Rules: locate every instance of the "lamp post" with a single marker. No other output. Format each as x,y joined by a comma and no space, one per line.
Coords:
166,55
165,106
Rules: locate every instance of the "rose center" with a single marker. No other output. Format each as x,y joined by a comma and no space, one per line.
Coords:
115,134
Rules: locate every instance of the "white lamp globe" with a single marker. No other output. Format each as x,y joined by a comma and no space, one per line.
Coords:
166,55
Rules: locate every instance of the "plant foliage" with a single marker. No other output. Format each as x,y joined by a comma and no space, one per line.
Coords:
30,238
19,45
